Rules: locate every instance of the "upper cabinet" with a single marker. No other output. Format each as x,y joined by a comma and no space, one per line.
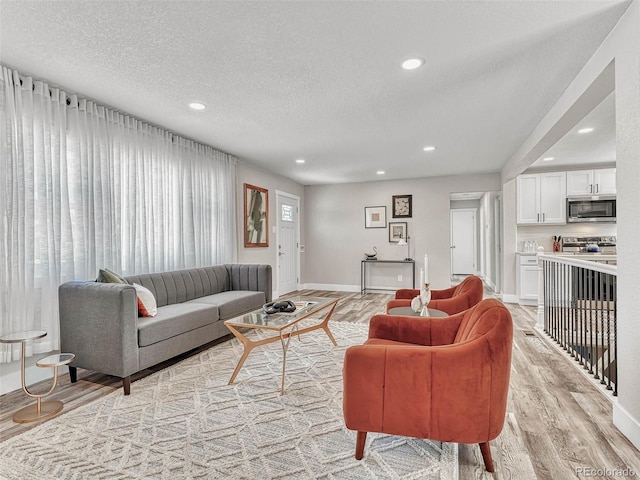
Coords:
591,182
541,198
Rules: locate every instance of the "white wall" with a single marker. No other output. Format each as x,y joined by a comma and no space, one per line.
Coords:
625,41
619,54
336,238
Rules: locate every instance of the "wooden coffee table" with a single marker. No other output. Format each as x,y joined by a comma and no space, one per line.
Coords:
285,325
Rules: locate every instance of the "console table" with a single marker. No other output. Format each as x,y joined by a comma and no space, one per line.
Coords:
364,264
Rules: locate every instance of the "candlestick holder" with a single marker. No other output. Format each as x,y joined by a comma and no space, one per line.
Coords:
421,302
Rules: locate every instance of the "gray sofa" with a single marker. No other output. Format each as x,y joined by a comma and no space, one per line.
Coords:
99,322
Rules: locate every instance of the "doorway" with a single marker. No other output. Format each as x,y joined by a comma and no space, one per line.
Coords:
464,242
288,256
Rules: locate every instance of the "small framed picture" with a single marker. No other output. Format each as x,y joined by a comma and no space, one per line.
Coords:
375,217
397,230
401,205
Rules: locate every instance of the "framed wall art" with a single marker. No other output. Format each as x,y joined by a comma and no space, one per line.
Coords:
401,205
375,217
397,230
256,216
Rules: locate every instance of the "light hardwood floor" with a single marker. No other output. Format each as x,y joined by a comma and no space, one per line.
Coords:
558,423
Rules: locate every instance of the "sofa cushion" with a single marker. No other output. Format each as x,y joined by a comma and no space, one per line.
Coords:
147,306
184,285
173,320
233,303
107,276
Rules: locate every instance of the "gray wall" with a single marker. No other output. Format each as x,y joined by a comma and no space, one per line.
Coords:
336,238
261,178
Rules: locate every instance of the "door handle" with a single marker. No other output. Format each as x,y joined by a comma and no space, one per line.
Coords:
280,253
590,188
452,246
543,218
597,187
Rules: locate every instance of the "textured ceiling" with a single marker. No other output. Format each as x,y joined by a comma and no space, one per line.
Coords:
320,80
577,149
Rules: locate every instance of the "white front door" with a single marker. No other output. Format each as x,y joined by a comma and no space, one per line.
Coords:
287,240
464,242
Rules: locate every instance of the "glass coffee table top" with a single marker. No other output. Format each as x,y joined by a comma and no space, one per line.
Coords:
306,306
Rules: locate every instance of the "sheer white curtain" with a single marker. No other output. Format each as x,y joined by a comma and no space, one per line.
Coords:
85,187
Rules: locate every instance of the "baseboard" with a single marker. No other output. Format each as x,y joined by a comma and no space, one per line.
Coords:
330,287
347,288
508,298
629,426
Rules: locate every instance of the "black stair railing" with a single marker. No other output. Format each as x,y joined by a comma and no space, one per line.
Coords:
579,302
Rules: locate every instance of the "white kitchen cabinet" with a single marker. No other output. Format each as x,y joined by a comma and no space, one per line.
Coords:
527,279
600,181
541,198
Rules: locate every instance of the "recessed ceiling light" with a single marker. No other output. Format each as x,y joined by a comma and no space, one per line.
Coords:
585,130
300,160
413,63
429,149
197,106
548,159
380,172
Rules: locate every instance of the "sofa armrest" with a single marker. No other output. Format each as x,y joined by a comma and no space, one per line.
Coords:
256,278
98,323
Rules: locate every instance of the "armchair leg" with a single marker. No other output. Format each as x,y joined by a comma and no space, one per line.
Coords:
73,374
126,384
486,456
360,440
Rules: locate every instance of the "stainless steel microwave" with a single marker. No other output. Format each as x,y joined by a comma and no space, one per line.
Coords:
591,209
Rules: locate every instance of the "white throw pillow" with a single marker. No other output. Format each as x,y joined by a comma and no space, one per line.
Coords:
147,306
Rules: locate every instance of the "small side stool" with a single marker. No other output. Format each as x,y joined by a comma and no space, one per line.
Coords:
49,408
41,410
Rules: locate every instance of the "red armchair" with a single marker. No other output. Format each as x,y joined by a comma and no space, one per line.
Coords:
451,300
443,379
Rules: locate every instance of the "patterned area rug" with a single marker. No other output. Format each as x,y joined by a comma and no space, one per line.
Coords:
185,422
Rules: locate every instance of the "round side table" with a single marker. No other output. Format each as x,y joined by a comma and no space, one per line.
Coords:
410,313
40,410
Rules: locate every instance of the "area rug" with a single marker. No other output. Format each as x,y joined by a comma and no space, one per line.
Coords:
185,422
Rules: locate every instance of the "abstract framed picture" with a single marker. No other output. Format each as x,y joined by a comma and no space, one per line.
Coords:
397,230
256,216
375,217
402,206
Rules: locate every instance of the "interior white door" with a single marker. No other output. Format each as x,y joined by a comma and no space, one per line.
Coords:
288,251
464,241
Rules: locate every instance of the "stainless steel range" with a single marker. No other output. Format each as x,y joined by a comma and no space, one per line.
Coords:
606,245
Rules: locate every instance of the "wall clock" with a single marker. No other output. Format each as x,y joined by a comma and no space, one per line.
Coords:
401,205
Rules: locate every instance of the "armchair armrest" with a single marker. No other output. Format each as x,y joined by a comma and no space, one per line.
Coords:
415,330
440,294
98,323
407,293
398,303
